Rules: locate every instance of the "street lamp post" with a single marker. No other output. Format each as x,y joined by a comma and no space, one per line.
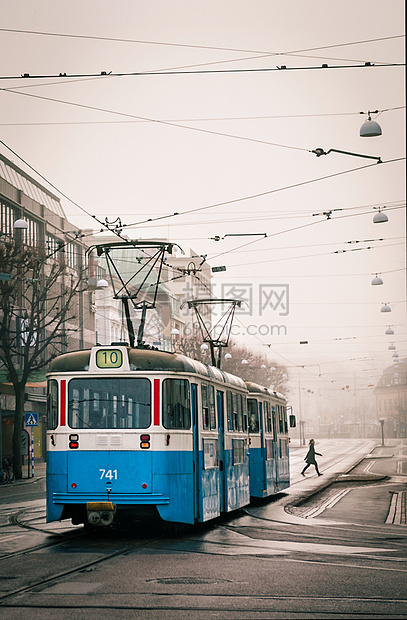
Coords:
381,420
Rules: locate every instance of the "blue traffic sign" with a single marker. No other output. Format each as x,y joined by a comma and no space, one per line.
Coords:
31,419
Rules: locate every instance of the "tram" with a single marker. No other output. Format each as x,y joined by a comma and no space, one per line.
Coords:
136,432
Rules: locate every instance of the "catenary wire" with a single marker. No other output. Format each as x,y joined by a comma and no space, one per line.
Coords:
112,74
229,49
197,120
302,183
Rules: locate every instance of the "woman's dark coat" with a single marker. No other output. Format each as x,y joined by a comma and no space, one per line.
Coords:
310,457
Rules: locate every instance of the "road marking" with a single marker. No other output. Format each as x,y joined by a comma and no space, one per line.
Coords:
235,543
369,465
397,510
329,503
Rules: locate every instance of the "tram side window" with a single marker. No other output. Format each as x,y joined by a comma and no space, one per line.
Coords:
253,407
280,412
269,418
176,404
275,421
243,405
52,405
285,421
229,407
205,407
236,410
109,403
208,407
212,414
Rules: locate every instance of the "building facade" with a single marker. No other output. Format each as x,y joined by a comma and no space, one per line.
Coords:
98,316
391,399
24,200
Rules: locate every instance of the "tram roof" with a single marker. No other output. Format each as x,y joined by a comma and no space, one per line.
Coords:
148,360
255,388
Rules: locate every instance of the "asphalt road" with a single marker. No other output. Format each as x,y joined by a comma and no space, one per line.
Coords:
329,547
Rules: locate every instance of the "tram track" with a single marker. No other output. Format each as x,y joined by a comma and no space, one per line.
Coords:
69,572
246,605
226,604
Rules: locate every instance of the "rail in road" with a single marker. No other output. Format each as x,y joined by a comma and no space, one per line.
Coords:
249,564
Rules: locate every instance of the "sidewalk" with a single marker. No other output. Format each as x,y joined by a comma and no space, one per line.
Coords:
40,470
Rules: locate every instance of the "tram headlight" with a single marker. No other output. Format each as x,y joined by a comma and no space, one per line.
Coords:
106,517
94,518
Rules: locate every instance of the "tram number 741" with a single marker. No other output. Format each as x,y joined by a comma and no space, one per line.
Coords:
110,474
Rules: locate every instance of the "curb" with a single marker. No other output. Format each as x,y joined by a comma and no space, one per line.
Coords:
346,476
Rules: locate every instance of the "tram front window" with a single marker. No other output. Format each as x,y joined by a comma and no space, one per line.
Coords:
109,403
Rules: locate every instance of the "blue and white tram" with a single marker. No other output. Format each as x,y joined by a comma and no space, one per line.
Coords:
269,441
139,431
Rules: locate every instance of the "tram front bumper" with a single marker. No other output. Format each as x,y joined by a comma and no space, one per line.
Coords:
127,499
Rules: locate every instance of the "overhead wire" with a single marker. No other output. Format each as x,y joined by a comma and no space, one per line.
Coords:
112,74
168,123
189,211
197,120
212,206
196,46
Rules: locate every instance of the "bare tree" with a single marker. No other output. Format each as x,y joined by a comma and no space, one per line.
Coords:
36,311
258,368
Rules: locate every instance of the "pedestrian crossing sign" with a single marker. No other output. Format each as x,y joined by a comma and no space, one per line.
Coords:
31,419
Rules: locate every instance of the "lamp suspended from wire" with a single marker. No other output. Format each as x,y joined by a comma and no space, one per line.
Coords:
376,280
370,128
380,217
389,331
385,308
391,347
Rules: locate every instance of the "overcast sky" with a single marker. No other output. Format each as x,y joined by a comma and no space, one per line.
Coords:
227,139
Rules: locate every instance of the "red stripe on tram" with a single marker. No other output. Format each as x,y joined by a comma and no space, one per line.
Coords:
156,402
63,403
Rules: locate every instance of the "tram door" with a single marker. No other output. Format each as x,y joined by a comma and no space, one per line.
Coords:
197,477
276,454
263,449
222,470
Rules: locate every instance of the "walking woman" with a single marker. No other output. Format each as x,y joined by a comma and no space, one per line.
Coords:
310,458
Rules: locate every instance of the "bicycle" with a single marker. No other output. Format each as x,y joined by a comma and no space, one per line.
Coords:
7,472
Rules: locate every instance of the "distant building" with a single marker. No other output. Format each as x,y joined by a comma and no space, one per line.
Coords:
22,197
99,317
183,277
391,399
190,278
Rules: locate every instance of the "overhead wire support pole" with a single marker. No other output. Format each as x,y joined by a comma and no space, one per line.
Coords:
318,152
130,328
121,280
221,340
